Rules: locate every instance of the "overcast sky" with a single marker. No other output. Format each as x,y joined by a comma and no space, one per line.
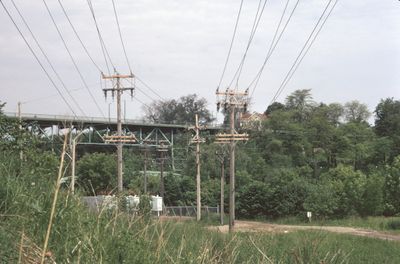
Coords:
179,47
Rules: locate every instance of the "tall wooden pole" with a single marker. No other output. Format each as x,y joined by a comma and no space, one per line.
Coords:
145,170
162,187
232,101
73,165
119,134
198,191
119,139
232,172
222,189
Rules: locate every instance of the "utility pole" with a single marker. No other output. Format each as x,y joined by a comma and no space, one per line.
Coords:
73,143
119,139
162,149
221,157
145,150
232,101
197,140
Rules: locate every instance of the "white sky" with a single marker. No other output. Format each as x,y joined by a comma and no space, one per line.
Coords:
179,47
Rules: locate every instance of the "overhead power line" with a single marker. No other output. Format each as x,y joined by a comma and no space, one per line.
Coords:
37,59
72,58
257,18
120,36
307,45
230,46
148,87
46,57
275,41
104,50
78,37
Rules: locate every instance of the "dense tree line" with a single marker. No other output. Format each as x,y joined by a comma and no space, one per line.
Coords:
306,156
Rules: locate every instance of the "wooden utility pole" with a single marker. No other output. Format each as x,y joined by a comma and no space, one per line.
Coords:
221,157
232,101
162,149
197,140
73,143
145,152
119,139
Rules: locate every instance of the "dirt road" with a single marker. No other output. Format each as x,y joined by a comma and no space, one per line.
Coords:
250,226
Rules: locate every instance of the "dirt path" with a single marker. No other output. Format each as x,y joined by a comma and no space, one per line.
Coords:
249,226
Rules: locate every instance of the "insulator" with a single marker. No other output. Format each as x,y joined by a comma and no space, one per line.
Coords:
105,94
113,94
226,106
218,106
245,107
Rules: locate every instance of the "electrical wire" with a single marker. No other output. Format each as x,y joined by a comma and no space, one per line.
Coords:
308,48
230,46
273,45
151,89
46,57
37,59
120,36
78,37
102,44
72,58
253,31
143,92
301,55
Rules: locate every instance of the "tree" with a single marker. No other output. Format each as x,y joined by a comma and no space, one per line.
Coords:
334,112
392,188
179,111
274,107
97,172
387,124
300,101
356,112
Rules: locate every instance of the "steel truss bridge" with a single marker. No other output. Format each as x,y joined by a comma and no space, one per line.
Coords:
93,131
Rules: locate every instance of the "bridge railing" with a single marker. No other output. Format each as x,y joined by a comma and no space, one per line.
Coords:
47,117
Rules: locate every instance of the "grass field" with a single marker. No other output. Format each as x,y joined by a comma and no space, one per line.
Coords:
379,223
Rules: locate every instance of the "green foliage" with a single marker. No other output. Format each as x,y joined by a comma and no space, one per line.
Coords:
179,111
392,188
97,172
387,125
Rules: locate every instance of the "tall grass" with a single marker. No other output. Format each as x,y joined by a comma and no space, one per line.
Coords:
81,236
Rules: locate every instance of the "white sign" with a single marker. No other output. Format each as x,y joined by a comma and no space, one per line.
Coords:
309,214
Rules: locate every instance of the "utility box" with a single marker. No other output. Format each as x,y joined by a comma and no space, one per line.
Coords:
157,202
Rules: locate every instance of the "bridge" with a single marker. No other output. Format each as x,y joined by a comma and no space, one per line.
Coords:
94,129
90,133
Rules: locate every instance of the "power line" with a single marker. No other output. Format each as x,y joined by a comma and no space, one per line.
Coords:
143,92
151,89
273,45
102,44
301,55
46,57
37,59
308,48
79,38
230,46
256,22
120,36
72,58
